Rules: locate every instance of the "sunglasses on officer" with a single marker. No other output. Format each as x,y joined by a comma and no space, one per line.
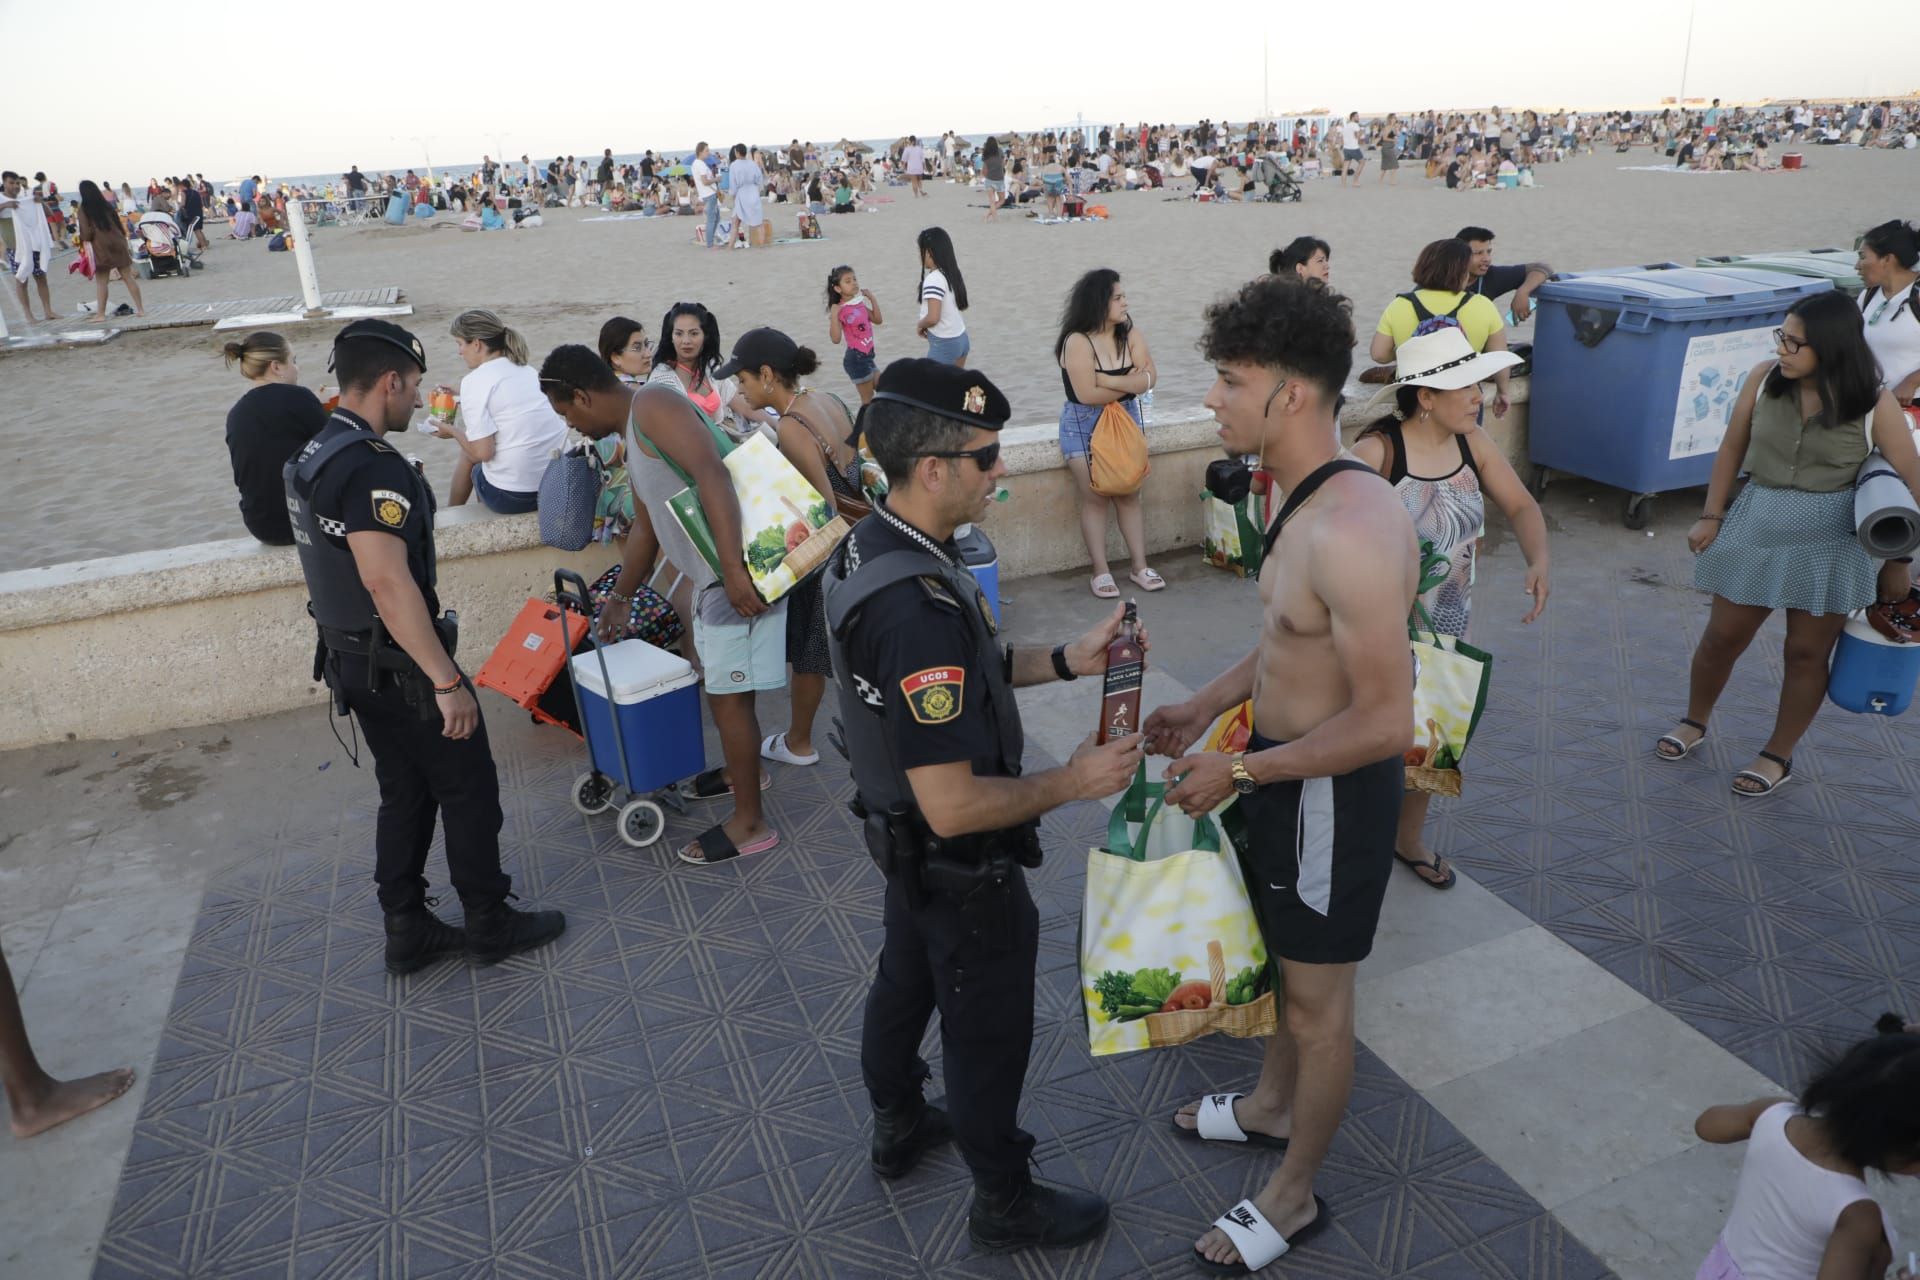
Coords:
984,457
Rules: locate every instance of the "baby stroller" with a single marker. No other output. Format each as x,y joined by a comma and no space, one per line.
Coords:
1280,184
162,247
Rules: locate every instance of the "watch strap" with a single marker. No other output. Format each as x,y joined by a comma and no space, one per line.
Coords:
1060,667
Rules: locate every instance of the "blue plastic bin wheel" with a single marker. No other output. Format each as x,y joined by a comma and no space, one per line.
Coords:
1636,370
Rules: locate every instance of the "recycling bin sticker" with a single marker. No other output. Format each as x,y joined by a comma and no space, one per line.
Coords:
1716,367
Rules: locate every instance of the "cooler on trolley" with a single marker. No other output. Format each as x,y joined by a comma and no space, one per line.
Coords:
639,707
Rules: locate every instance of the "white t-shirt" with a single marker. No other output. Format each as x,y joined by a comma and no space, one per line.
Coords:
1893,338
952,322
914,158
1350,135
702,180
503,400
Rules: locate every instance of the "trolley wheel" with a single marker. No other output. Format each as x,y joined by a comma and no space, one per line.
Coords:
592,793
1639,511
1538,477
641,823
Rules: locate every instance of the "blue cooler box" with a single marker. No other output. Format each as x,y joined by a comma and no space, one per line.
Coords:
1636,370
656,697
1872,673
983,562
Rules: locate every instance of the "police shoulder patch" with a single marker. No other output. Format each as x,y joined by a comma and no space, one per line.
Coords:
934,695
390,508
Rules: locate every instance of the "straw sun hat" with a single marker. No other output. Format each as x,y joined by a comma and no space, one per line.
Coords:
1443,360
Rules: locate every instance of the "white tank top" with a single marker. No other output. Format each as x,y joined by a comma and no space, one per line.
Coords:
1785,1208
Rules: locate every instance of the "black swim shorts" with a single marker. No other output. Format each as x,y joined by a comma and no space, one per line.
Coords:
1317,854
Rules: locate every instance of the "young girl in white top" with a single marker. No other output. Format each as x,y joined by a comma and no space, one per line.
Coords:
1803,1210
943,296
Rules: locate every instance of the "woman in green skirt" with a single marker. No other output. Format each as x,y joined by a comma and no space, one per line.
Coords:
1801,427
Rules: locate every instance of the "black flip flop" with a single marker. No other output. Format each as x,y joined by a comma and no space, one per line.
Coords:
713,785
717,846
1434,865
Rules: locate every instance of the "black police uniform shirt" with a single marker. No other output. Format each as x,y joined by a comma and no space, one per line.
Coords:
265,427
911,654
365,489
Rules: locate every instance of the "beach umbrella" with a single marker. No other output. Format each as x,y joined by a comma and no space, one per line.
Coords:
850,146
678,171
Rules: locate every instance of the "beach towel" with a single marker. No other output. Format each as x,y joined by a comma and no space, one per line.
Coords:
31,235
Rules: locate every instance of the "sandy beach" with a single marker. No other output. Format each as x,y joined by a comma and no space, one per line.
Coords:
120,448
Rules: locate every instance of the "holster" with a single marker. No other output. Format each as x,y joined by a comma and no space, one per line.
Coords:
386,661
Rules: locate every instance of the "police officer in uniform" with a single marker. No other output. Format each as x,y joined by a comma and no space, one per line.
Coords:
934,739
362,520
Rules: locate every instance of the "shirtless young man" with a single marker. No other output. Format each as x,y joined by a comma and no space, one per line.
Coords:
1320,783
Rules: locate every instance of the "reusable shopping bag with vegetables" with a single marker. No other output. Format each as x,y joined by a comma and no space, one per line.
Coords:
1450,679
1170,949
787,529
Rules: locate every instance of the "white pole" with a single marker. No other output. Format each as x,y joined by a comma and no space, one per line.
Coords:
1685,61
303,257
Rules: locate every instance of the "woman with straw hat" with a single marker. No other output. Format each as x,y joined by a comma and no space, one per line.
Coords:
1442,463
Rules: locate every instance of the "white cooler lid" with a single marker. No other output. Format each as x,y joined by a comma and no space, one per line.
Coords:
638,671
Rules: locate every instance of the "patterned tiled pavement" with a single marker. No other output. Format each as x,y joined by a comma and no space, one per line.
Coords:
673,1090
1780,927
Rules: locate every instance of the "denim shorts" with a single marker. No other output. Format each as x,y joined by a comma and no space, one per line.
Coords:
507,502
949,350
997,184
1077,422
860,366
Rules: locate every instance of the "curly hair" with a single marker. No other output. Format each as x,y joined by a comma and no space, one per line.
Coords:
1281,323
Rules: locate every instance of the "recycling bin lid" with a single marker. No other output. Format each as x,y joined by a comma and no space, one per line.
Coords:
1675,292
1821,264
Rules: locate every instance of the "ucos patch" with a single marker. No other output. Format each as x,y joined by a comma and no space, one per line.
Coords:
933,695
389,508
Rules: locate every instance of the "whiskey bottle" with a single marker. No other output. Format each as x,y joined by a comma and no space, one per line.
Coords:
1126,667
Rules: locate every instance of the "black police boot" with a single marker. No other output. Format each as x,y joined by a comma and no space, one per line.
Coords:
1015,1212
416,938
901,1133
496,930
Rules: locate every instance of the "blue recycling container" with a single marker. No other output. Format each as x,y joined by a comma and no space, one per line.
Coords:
1871,673
983,562
1636,369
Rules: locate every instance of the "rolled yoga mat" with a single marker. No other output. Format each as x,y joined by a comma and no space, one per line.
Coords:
1884,516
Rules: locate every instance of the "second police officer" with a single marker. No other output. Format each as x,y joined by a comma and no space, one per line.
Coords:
362,520
934,740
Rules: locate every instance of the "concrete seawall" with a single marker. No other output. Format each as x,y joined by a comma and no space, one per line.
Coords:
218,631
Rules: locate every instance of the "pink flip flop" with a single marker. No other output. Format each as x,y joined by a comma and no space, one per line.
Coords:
1103,586
1148,580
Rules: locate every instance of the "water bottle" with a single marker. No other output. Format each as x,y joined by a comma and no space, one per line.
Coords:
1144,402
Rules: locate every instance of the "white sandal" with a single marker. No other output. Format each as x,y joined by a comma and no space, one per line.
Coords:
775,748
1103,586
1216,1122
1258,1242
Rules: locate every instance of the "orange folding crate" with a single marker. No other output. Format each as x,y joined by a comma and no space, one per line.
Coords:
528,658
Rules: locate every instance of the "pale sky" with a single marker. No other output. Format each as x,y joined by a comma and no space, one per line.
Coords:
283,89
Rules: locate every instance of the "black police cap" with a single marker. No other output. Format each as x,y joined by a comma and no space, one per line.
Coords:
382,331
944,389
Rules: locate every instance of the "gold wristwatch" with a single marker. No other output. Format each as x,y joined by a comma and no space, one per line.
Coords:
1242,780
